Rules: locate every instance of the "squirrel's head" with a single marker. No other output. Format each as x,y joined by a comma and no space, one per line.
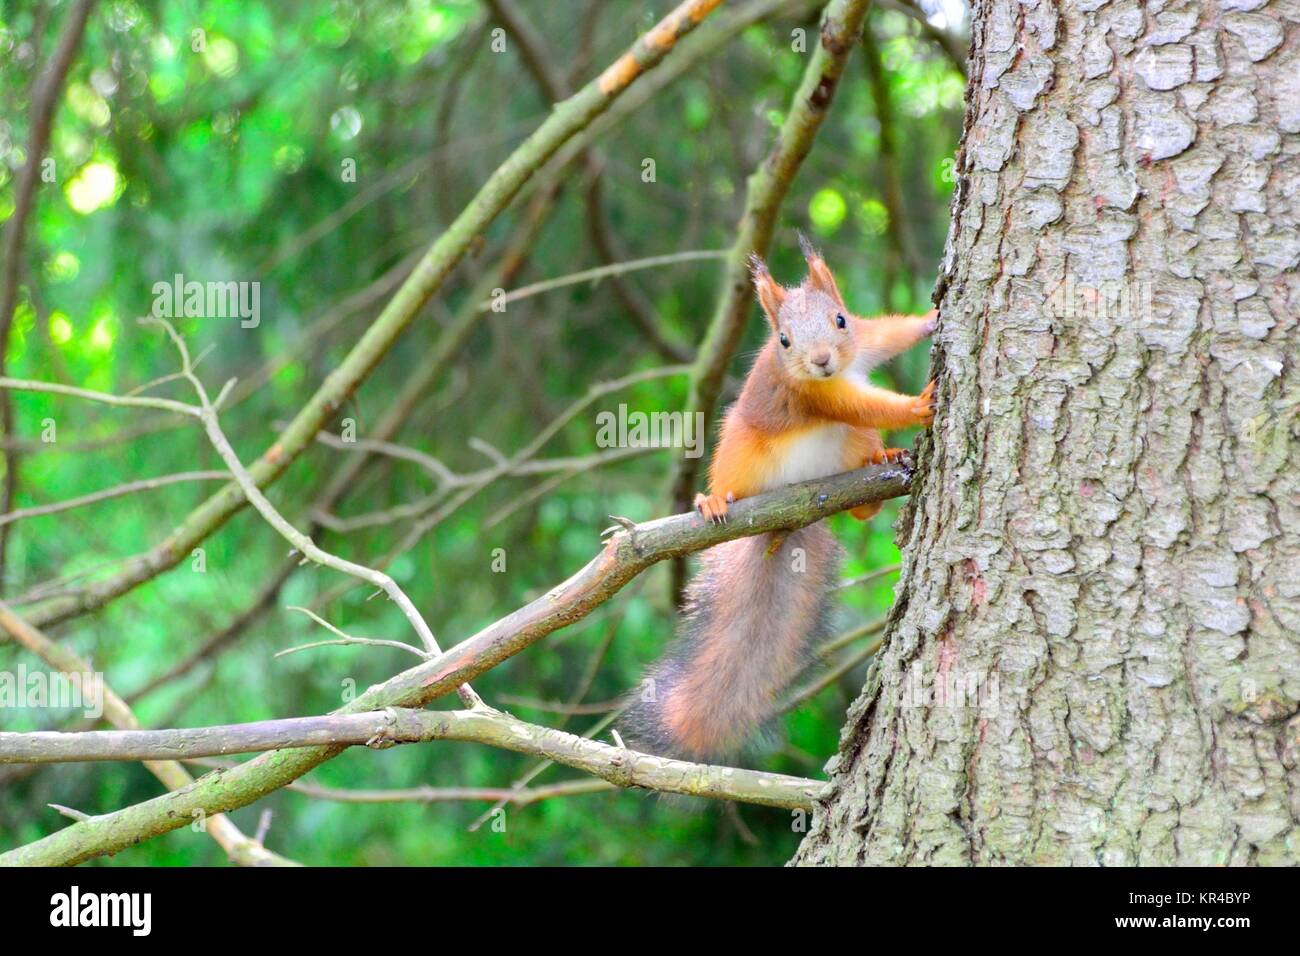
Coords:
811,325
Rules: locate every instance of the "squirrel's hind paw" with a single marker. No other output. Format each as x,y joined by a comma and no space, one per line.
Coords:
868,511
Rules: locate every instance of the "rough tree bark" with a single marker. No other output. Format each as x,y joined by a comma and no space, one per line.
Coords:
1095,653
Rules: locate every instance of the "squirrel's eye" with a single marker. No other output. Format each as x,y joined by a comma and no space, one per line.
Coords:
785,340
839,320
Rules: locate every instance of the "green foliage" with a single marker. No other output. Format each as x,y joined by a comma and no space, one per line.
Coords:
211,139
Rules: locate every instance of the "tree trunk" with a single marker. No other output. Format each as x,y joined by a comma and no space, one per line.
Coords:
1095,653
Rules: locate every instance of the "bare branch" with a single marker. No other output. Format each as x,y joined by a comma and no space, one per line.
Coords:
386,728
538,768
601,272
434,516
239,848
414,390
611,713
561,125
44,100
624,555
124,401
303,543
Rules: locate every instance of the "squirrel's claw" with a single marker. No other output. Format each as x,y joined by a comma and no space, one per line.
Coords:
886,456
713,507
924,407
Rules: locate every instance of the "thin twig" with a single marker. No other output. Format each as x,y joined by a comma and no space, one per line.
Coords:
869,577
517,798
117,491
122,401
434,516
364,641
561,469
809,691
600,272
345,639
69,812
851,636
303,543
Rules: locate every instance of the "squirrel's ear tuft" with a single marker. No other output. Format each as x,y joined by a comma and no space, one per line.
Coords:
819,274
770,292
806,246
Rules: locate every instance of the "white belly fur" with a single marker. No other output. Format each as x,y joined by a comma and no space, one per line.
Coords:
815,454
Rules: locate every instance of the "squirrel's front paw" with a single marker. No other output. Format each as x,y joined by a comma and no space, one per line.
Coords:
713,507
923,408
886,456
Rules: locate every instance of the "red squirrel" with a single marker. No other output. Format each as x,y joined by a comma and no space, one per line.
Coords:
758,603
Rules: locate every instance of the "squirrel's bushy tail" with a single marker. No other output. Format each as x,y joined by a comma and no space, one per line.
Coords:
751,614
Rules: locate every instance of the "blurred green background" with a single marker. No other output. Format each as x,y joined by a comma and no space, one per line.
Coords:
225,163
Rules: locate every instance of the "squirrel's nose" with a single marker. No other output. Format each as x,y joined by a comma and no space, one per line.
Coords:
821,357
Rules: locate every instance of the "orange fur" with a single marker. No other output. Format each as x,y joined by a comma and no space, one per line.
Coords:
889,335
806,411
866,405
774,410
750,615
